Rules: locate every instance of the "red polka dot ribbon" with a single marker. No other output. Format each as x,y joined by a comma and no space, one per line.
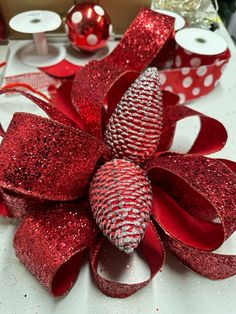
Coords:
46,165
193,75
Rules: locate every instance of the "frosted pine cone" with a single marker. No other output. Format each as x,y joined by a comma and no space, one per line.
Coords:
134,129
121,200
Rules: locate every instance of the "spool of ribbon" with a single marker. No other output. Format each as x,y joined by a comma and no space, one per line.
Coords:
37,22
199,60
196,47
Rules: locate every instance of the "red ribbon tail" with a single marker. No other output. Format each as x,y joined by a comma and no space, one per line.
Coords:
47,107
208,264
63,69
212,135
153,253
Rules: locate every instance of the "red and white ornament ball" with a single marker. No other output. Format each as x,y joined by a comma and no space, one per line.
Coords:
88,26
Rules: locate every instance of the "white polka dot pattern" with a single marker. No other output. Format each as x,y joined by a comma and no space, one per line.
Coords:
92,39
195,62
77,17
196,91
220,62
192,75
188,52
99,10
178,61
169,88
202,70
110,29
187,82
162,77
208,80
185,71
181,98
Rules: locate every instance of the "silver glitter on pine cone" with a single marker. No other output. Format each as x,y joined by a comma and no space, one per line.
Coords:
134,129
121,200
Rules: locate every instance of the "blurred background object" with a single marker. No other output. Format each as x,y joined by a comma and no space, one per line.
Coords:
122,12
226,9
3,28
203,13
193,10
227,12
88,27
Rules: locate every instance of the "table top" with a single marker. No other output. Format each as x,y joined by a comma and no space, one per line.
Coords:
175,290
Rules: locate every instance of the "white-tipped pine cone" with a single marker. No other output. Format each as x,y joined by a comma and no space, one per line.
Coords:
134,129
121,200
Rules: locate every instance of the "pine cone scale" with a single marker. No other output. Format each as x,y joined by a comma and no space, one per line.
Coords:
134,129
120,197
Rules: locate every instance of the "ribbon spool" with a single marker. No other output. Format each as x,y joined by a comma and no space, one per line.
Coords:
37,22
196,46
199,59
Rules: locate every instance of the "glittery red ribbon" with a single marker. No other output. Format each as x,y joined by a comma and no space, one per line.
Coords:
46,165
140,44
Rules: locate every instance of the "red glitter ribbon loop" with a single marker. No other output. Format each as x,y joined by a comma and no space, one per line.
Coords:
201,186
58,237
203,144
45,159
93,82
151,249
180,225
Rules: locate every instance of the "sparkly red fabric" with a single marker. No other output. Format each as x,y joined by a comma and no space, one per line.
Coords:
92,83
58,236
45,159
151,248
46,166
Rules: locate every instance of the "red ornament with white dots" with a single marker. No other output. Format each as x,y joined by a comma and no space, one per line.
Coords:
88,27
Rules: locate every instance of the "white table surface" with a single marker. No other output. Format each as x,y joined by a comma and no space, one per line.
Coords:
175,290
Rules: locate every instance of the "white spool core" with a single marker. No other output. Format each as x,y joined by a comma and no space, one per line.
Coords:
200,41
179,20
41,43
37,22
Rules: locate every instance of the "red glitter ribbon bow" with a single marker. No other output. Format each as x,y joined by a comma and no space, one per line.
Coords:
46,166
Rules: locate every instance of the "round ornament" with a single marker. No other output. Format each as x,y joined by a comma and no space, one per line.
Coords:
88,27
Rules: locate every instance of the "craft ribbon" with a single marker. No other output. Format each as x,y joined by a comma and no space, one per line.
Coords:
46,165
